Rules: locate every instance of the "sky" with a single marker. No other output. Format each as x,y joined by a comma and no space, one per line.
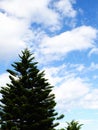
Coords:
63,35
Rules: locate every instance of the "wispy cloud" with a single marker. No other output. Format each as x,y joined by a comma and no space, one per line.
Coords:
93,51
90,101
23,22
80,38
65,8
32,11
17,31
17,19
72,90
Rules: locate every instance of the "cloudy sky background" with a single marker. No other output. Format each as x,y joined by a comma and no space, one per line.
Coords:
63,35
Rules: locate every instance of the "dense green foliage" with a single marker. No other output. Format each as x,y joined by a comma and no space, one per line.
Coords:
73,125
27,102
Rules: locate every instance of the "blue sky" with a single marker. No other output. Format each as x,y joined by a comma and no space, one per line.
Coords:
63,35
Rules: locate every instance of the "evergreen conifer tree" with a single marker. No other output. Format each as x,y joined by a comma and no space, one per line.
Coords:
27,102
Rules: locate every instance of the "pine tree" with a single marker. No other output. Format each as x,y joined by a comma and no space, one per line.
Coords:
27,102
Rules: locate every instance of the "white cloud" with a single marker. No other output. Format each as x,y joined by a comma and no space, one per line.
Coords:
78,67
90,101
4,78
15,33
81,68
17,17
11,36
93,51
65,8
77,39
33,11
39,11
54,74
72,91
69,93
93,66
76,93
